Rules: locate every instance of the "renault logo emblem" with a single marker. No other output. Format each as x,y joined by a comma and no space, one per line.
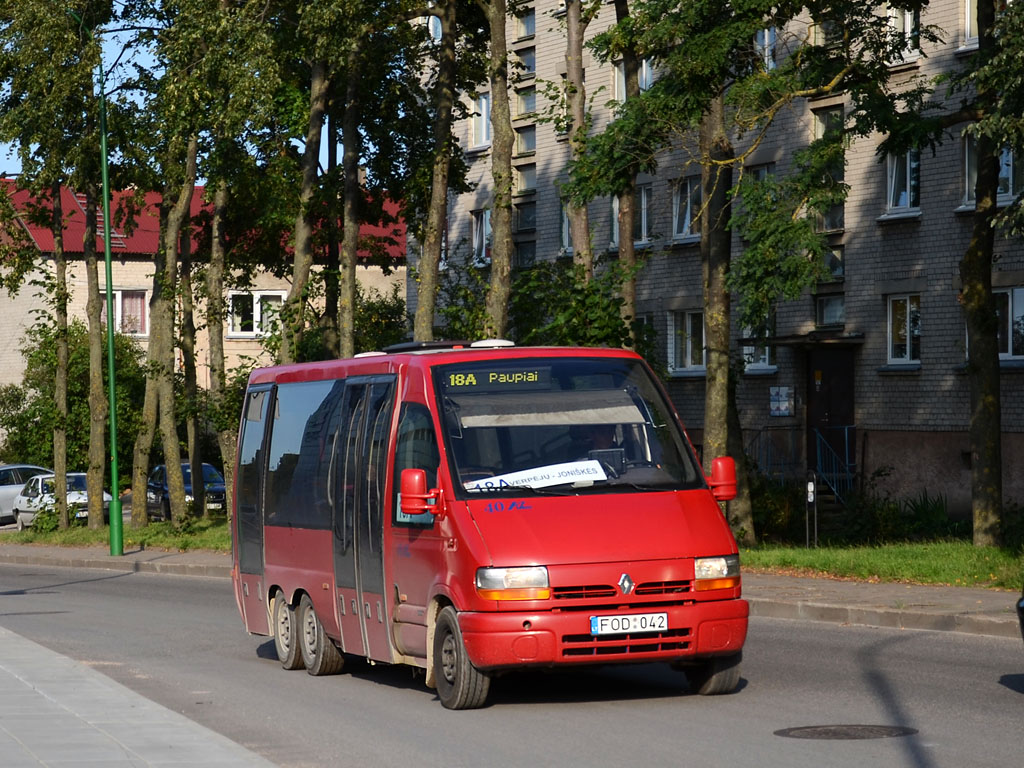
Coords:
626,584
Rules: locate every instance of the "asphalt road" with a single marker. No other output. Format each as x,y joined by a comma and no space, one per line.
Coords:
179,641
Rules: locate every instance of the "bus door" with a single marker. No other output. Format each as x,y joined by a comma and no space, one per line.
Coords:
362,446
249,506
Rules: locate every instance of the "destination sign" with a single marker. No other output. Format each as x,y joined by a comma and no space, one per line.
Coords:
495,379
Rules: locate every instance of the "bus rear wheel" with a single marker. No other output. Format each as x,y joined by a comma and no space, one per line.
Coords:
319,653
286,641
460,685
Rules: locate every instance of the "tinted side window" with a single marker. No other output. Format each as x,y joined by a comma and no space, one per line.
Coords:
250,464
301,454
416,449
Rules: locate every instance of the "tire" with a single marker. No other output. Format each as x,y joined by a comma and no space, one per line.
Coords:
319,653
20,523
460,685
715,676
286,633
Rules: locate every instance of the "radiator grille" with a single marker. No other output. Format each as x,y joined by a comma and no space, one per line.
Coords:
638,644
604,591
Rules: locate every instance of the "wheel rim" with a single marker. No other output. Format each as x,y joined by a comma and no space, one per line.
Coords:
284,626
449,657
309,632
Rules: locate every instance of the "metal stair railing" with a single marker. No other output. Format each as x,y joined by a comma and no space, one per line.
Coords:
835,470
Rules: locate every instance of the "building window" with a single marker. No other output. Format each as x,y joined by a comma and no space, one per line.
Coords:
526,140
526,23
481,237
643,216
904,182
1011,180
687,352
253,313
828,124
564,230
835,261
526,101
830,309
527,61
526,178
764,46
131,312
905,329
525,254
759,357
526,217
686,209
482,120
970,22
644,76
906,24
1010,313
434,28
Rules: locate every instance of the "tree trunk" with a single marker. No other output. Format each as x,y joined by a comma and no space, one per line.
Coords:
60,388
982,327
293,312
437,212
576,97
352,142
627,198
330,323
227,429
177,218
193,427
502,141
98,403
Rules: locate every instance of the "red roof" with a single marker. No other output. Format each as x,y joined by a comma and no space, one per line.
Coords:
143,237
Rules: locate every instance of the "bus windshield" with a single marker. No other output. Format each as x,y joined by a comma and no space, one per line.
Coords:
561,425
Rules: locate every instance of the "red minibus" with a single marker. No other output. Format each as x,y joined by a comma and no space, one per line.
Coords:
470,509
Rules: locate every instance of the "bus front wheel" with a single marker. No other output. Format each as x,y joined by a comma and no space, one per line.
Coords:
319,653
715,676
460,685
286,641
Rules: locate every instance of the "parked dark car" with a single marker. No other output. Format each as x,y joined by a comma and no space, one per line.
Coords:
158,503
12,479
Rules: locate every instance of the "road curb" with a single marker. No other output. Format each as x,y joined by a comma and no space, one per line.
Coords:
889,618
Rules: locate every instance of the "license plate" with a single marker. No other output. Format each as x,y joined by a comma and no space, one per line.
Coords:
214,505
628,622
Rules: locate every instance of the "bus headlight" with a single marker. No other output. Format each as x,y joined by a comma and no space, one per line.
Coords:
527,583
716,572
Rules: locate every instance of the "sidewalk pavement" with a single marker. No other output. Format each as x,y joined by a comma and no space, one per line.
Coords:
103,723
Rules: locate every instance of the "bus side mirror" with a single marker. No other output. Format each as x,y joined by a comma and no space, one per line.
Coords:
723,478
416,497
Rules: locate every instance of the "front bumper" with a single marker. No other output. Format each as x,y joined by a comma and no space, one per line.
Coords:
515,639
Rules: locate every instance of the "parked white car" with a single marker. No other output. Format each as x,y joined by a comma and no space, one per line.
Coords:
12,479
38,494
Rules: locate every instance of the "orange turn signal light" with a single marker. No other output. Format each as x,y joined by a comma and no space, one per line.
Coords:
704,585
525,593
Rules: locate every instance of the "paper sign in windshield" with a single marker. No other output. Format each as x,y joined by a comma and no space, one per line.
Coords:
541,477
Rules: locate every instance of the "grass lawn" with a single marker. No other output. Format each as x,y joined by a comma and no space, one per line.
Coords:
957,563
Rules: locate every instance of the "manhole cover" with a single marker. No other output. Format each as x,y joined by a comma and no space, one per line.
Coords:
846,732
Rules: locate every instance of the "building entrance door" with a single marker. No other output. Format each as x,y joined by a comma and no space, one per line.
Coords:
830,407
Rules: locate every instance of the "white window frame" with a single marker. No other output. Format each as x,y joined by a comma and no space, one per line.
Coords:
970,23
526,130
119,296
481,237
765,41
906,331
903,182
757,358
526,24
643,217
1010,176
482,120
686,222
259,323
687,352
528,67
644,76
1009,339
520,110
909,24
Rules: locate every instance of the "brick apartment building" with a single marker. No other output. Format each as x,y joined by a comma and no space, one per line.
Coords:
873,360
